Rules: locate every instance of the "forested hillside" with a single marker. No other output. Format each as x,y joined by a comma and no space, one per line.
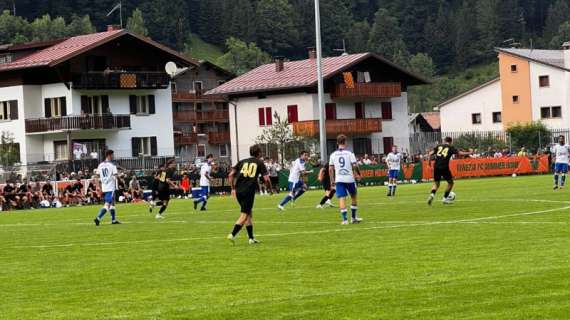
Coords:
434,37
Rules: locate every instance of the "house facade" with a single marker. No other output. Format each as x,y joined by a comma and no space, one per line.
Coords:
365,98
74,98
533,85
201,123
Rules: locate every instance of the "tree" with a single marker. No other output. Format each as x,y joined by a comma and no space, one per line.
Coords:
276,31
423,65
533,136
336,21
9,151
168,25
386,37
135,23
357,37
12,27
242,57
562,36
488,26
80,25
466,49
558,13
240,20
279,134
440,39
46,28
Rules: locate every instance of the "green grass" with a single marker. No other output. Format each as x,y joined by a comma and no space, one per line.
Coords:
201,50
500,252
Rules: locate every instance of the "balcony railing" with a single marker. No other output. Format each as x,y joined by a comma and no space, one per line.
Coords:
334,127
88,122
219,137
185,138
195,97
201,116
367,90
121,80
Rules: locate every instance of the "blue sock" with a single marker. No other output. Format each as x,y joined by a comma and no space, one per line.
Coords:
113,214
353,211
287,199
204,201
299,193
344,214
101,214
556,179
563,180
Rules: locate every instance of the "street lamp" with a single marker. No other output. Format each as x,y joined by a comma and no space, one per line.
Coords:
321,91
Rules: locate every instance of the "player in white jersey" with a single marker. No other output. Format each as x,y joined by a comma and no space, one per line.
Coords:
344,171
107,172
296,184
205,179
560,152
393,161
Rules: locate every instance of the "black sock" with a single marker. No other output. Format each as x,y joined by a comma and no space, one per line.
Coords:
446,194
323,200
236,230
158,203
331,194
162,209
249,231
433,192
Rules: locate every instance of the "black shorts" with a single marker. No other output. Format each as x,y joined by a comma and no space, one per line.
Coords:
245,201
274,181
442,173
164,194
326,185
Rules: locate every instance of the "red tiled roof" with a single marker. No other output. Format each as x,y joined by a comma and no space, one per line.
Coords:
432,118
296,74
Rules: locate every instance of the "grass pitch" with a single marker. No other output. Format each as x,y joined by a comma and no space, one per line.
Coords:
500,252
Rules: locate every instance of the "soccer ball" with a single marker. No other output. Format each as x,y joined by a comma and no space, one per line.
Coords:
514,175
451,196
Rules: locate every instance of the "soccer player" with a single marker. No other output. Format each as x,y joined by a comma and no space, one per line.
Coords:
325,179
393,161
107,172
560,152
344,171
164,183
243,180
296,185
443,153
205,179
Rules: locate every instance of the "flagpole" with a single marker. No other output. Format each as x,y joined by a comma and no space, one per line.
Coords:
321,99
121,12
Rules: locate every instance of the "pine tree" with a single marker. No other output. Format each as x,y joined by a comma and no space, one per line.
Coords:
466,36
276,31
80,25
170,26
242,57
136,24
438,36
488,26
386,37
357,37
558,13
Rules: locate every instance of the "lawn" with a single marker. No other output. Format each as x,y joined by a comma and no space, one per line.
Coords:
502,251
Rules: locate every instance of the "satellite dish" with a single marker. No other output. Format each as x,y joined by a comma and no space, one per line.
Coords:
171,68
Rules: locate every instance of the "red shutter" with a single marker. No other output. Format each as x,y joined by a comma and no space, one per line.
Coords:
268,116
261,112
388,143
386,110
359,110
292,114
330,109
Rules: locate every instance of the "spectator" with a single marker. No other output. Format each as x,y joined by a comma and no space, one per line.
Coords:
135,188
522,152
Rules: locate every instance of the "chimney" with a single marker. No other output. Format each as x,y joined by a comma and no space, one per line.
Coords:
113,27
312,53
279,64
566,48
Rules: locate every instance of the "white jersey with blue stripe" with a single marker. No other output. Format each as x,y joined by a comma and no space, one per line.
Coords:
205,171
296,170
561,153
107,172
343,160
394,161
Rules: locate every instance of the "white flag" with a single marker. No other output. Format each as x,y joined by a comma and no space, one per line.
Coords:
114,8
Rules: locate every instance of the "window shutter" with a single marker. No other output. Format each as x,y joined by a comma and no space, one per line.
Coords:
47,108
85,108
359,110
151,107
330,113
261,112
133,104
388,143
105,104
135,146
386,110
14,110
63,104
292,114
153,146
268,116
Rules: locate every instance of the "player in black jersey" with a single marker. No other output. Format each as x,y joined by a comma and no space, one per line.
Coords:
325,179
162,183
442,154
243,180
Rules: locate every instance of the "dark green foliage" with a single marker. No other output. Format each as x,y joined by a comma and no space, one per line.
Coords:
533,136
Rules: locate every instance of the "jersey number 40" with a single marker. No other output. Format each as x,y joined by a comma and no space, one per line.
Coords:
249,169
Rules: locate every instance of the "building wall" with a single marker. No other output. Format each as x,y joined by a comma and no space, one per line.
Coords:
209,78
16,128
456,115
515,84
553,95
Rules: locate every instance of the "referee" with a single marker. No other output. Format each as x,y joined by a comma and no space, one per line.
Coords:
243,180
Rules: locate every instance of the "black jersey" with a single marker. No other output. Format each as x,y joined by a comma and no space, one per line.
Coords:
443,153
326,176
248,170
162,177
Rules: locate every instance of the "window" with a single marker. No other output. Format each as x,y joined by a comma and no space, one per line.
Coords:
223,150
551,112
292,114
513,68
55,107
545,113
9,110
265,116
330,111
476,118
497,117
388,144
61,151
95,105
515,99
362,146
144,146
198,87
5,58
142,105
557,112
544,81
359,110
387,110
363,77
201,151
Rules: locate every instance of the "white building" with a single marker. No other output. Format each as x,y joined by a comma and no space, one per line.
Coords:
76,97
366,99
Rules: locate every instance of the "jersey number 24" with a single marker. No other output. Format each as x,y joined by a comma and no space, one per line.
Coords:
441,151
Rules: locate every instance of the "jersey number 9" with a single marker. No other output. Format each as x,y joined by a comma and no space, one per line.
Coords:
342,162
249,169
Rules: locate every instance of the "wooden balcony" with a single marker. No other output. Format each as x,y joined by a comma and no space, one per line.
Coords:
335,127
367,90
201,116
121,80
71,123
185,138
196,97
219,137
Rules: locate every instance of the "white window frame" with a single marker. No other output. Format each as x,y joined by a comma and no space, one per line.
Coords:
5,111
60,151
493,116
226,149
96,109
198,151
480,118
142,105
145,148
55,105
